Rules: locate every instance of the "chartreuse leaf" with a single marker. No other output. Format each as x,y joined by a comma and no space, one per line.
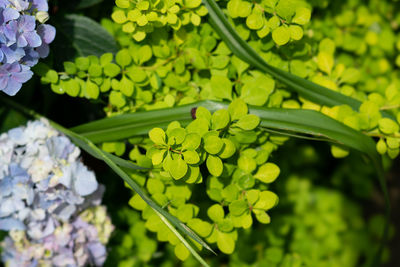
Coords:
192,141
228,149
179,169
157,135
248,122
191,157
202,112
388,126
220,119
213,144
225,242
214,165
114,163
237,109
281,35
216,213
268,172
221,87
267,200
238,207
302,16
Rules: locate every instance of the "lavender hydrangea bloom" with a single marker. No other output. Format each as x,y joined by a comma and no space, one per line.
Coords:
12,76
47,33
40,5
23,40
51,199
79,243
22,31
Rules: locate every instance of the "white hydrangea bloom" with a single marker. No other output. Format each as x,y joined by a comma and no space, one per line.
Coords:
46,197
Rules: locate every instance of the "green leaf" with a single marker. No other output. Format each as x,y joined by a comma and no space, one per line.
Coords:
179,169
70,67
92,90
192,141
248,122
123,58
296,32
381,146
255,21
281,35
257,91
95,70
216,213
253,196
81,36
388,126
158,157
220,119
239,8
157,135
111,70
238,207
262,216
126,86
247,164
214,165
267,200
181,252
155,186
72,87
267,173
191,157
325,62
237,109
225,243
213,144
191,3
202,112
302,16
202,228
117,99
176,136
228,149
221,87
123,3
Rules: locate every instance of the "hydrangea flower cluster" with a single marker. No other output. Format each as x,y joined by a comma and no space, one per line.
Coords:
22,41
49,201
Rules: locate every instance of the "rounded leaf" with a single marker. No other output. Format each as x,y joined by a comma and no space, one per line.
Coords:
179,168
192,141
213,144
216,213
225,243
248,122
281,35
191,157
157,135
238,207
228,149
214,165
267,173
237,109
220,119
